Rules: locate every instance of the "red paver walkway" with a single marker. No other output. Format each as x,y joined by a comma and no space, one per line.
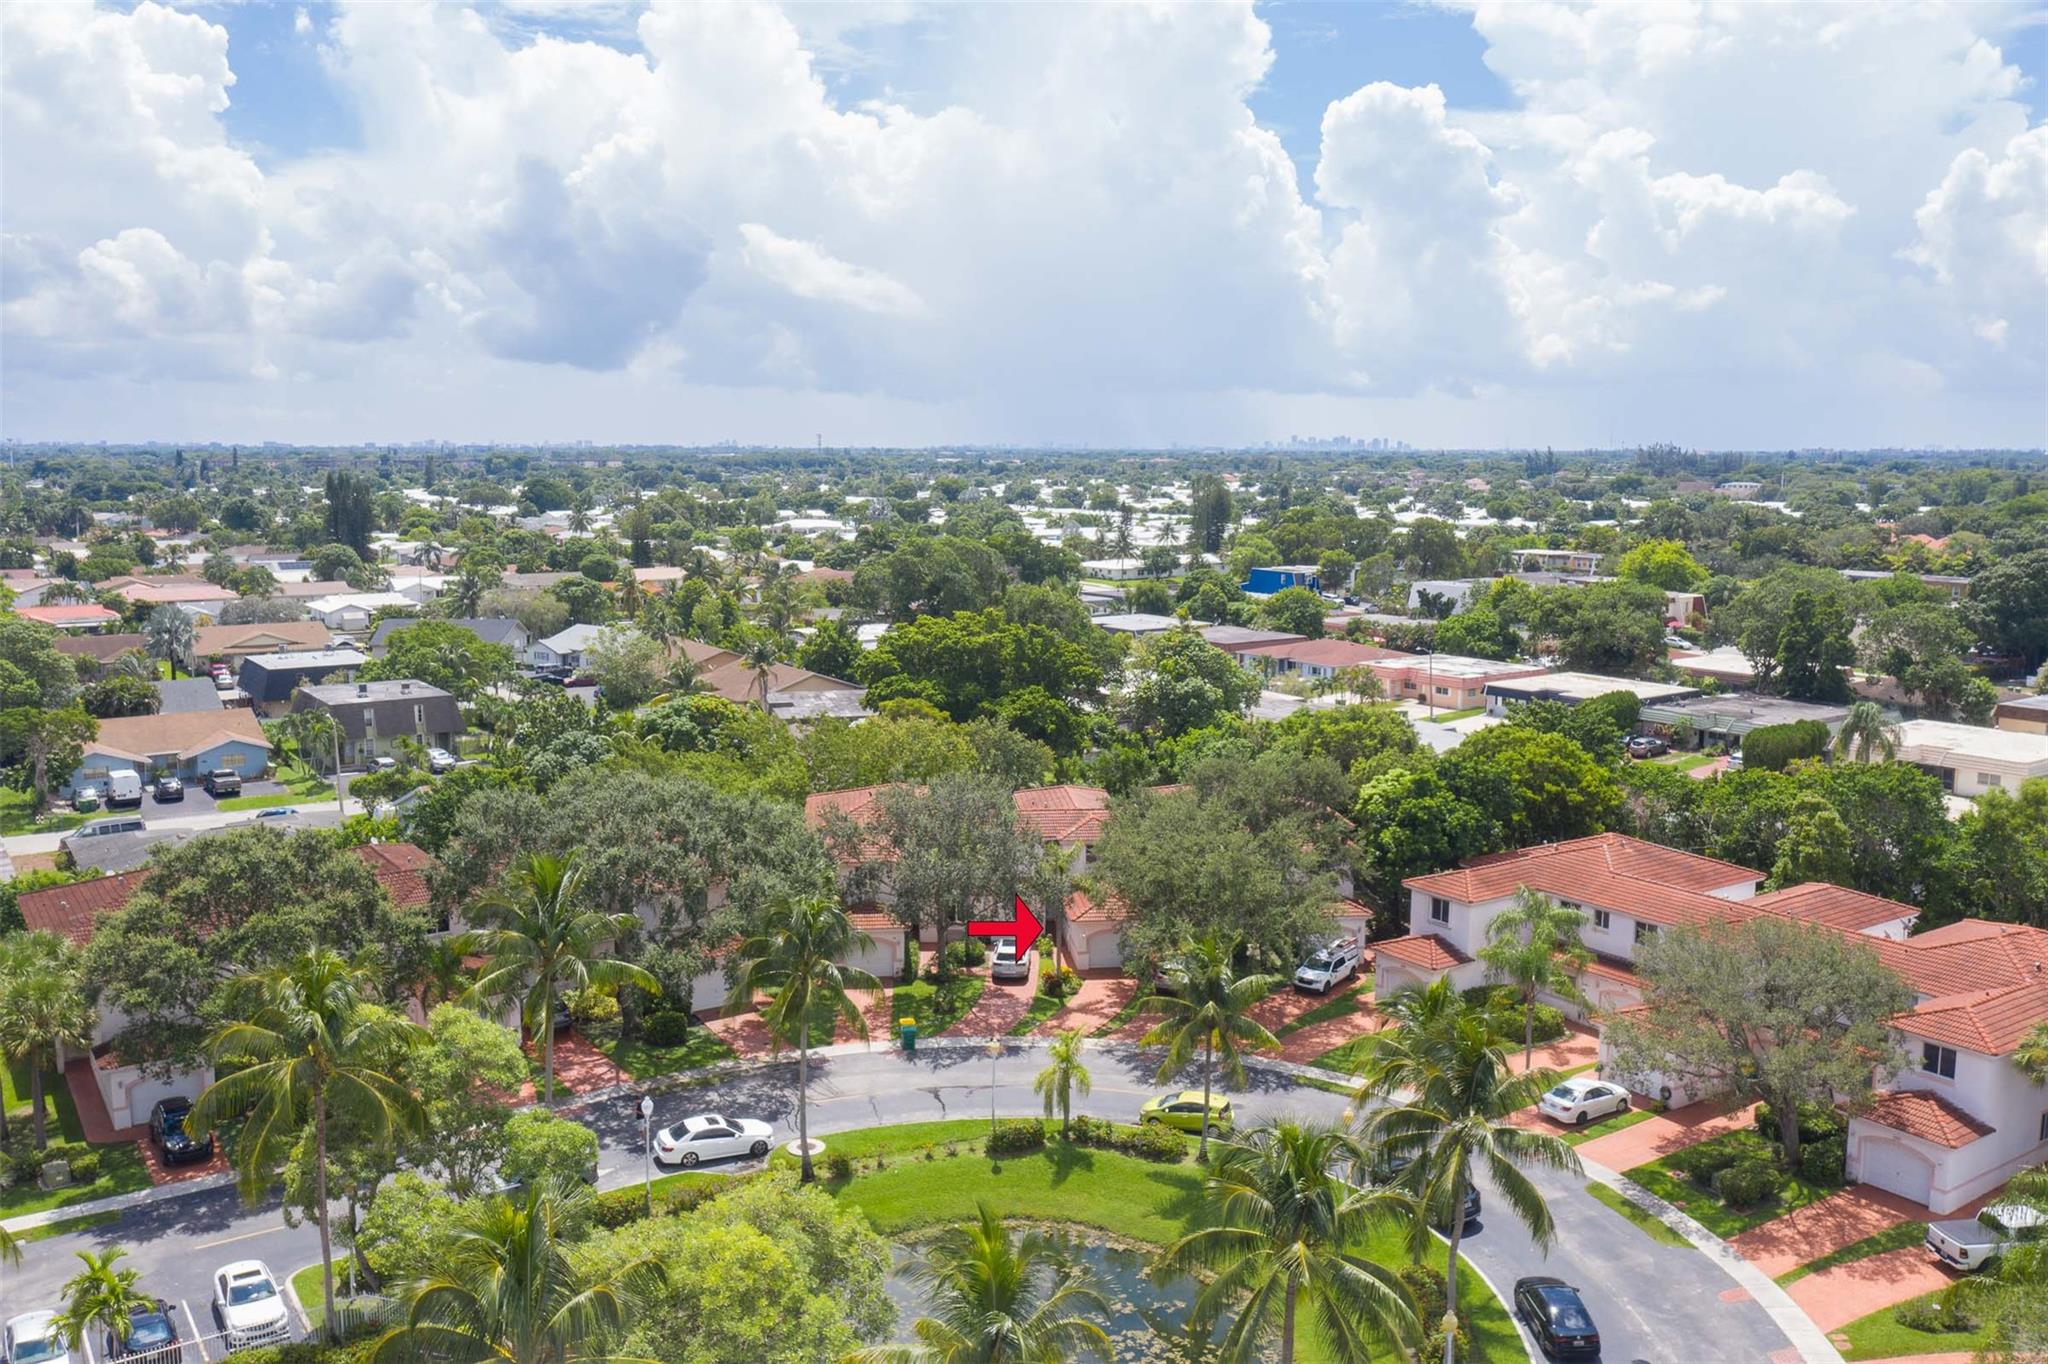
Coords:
749,1038
1665,1133
1102,996
1840,1219
1002,1004
579,1068
1835,1297
1308,1043
1579,1047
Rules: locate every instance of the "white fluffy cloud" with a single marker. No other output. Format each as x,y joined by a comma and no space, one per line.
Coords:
1079,228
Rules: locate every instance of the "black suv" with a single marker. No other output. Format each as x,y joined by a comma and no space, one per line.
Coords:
1387,1173
1555,1314
152,1333
223,783
173,1139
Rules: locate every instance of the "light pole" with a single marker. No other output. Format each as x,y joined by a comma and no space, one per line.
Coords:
994,1050
647,1145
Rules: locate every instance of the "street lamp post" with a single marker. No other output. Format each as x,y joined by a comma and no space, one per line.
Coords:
647,1145
995,1050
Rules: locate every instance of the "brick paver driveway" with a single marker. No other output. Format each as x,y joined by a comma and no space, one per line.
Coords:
1663,1134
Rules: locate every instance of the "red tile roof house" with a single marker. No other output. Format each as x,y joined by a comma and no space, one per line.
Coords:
126,1091
1954,1125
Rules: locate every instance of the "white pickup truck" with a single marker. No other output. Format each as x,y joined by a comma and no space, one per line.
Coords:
1969,1243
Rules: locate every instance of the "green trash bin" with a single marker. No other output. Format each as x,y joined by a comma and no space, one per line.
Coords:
906,1028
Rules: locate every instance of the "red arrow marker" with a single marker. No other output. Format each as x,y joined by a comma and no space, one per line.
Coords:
1025,928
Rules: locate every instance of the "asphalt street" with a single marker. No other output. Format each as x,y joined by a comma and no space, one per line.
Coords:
1654,1303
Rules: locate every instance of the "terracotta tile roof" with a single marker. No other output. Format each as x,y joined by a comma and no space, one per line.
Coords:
875,921
1817,902
1064,814
1082,909
71,613
1558,868
401,869
1989,1021
1612,968
1926,1116
1973,954
1325,653
1426,950
1344,907
72,910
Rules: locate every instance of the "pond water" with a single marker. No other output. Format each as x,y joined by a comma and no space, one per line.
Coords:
1147,1316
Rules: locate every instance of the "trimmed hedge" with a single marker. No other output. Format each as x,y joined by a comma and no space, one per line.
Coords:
1825,1162
669,1028
1943,1314
1816,1123
1703,1162
1018,1137
1748,1183
1503,1007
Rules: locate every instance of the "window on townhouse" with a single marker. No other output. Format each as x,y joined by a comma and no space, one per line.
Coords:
419,718
1938,1060
1602,920
1443,691
1439,910
1991,778
1644,930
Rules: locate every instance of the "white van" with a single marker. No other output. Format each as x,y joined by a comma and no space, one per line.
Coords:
124,787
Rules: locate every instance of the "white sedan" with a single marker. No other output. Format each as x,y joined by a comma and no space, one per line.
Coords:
711,1136
1577,1102
32,1338
250,1308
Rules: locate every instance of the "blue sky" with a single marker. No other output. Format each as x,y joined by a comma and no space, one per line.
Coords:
1751,225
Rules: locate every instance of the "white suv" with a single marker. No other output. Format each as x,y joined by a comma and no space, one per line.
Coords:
1329,966
251,1310
1005,964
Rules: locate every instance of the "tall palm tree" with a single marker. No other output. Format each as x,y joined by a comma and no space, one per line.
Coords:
506,1288
999,1298
171,636
1448,1094
310,1047
1534,945
1867,734
758,655
1209,1011
42,1007
10,1248
465,591
1283,1226
68,591
1059,1082
540,939
99,1297
796,958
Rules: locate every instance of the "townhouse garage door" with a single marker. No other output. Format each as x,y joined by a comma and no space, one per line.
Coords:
1102,950
1896,1168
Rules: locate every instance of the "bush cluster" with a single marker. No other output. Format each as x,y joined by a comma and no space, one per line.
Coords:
1944,1313
1503,1009
1150,1141
1016,1138
1825,1162
617,1208
1748,1183
669,1028
1060,983
838,1166
1816,1123
1703,1162
23,1162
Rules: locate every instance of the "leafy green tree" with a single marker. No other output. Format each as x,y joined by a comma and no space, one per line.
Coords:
999,1298
831,650
1615,628
1412,823
351,510
1534,945
306,1047
1208,1011
1756,621
2008,606
1477,633
1767,1009
540,1147
29,656
467,1072
1360,740
1814,648
968,663
627,664
1181,682
796,960
540,940
1814,847
42,1007
1064,1077
901,744
1999,859
119,695
100,1297
1867,734
1663,564
44,747
441,654
1296,610
1773,748
1281,1243
1533,787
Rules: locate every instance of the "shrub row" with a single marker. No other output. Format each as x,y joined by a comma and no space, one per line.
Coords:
1148,1142
1018,1137
623,1207
1503,1009
1944,1313
1748,1183
22,1162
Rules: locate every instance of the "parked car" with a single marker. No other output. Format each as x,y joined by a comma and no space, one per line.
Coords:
279,812
1735,761
1580,1100
100,828
172,1137
1647,746
1970,1243
1005,964
1388,1172
250,1309
222,782
1557,1317
28,1339
440,760
1184,1110
169,789
1328,966
151,1330
386,764
86,798
711,1136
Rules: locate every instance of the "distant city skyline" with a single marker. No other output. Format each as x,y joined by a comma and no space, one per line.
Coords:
1495,226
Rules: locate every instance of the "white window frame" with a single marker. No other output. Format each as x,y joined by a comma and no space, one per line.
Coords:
1603,920
1439,910
1932,1057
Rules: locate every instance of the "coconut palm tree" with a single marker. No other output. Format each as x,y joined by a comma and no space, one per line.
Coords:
796,959
540,940
758,654
999,1298
506,1287
2031,1056
42,1007
1059,1082
10,1248
99,1297
1867,734
69,591
1208,1011
307,1047
1448,1094
1280,1242
465,591
1534,946
171,636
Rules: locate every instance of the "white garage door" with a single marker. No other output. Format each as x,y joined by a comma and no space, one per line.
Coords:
1896,1168
1105,951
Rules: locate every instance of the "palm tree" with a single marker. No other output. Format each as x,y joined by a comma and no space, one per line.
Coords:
2031,1056
311,1048
171,636
99,1296
1867,734
1449,1094
999,1298
1534,946
1059,1082
1284,1222
758,654
67,591
465,591
1209,1010
795,957
42,1007
133,663
10,1248
506,1287
540,940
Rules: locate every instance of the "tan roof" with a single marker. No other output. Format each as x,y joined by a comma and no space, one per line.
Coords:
735,682
292,634
1326,653
69,613
104,648
171,591
1926,1116
328,587
183,733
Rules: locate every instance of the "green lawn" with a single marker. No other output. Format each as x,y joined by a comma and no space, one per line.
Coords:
935,1007
307,1284
1655,1229
15,819
14,1095
1687,762
1352,1001
1444,717
1576,1135
121,1171
905,1139
700,1047
1725,1222
66,1226
300,786
1350,1057
1127,1197
1880,1336
1042,1007
1904,1235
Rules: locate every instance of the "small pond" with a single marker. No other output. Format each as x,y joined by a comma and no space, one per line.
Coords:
1147,1317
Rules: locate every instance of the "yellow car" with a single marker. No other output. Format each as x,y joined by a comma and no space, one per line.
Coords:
1184,1110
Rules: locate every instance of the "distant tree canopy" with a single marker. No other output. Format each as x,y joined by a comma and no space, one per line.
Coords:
1774,747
